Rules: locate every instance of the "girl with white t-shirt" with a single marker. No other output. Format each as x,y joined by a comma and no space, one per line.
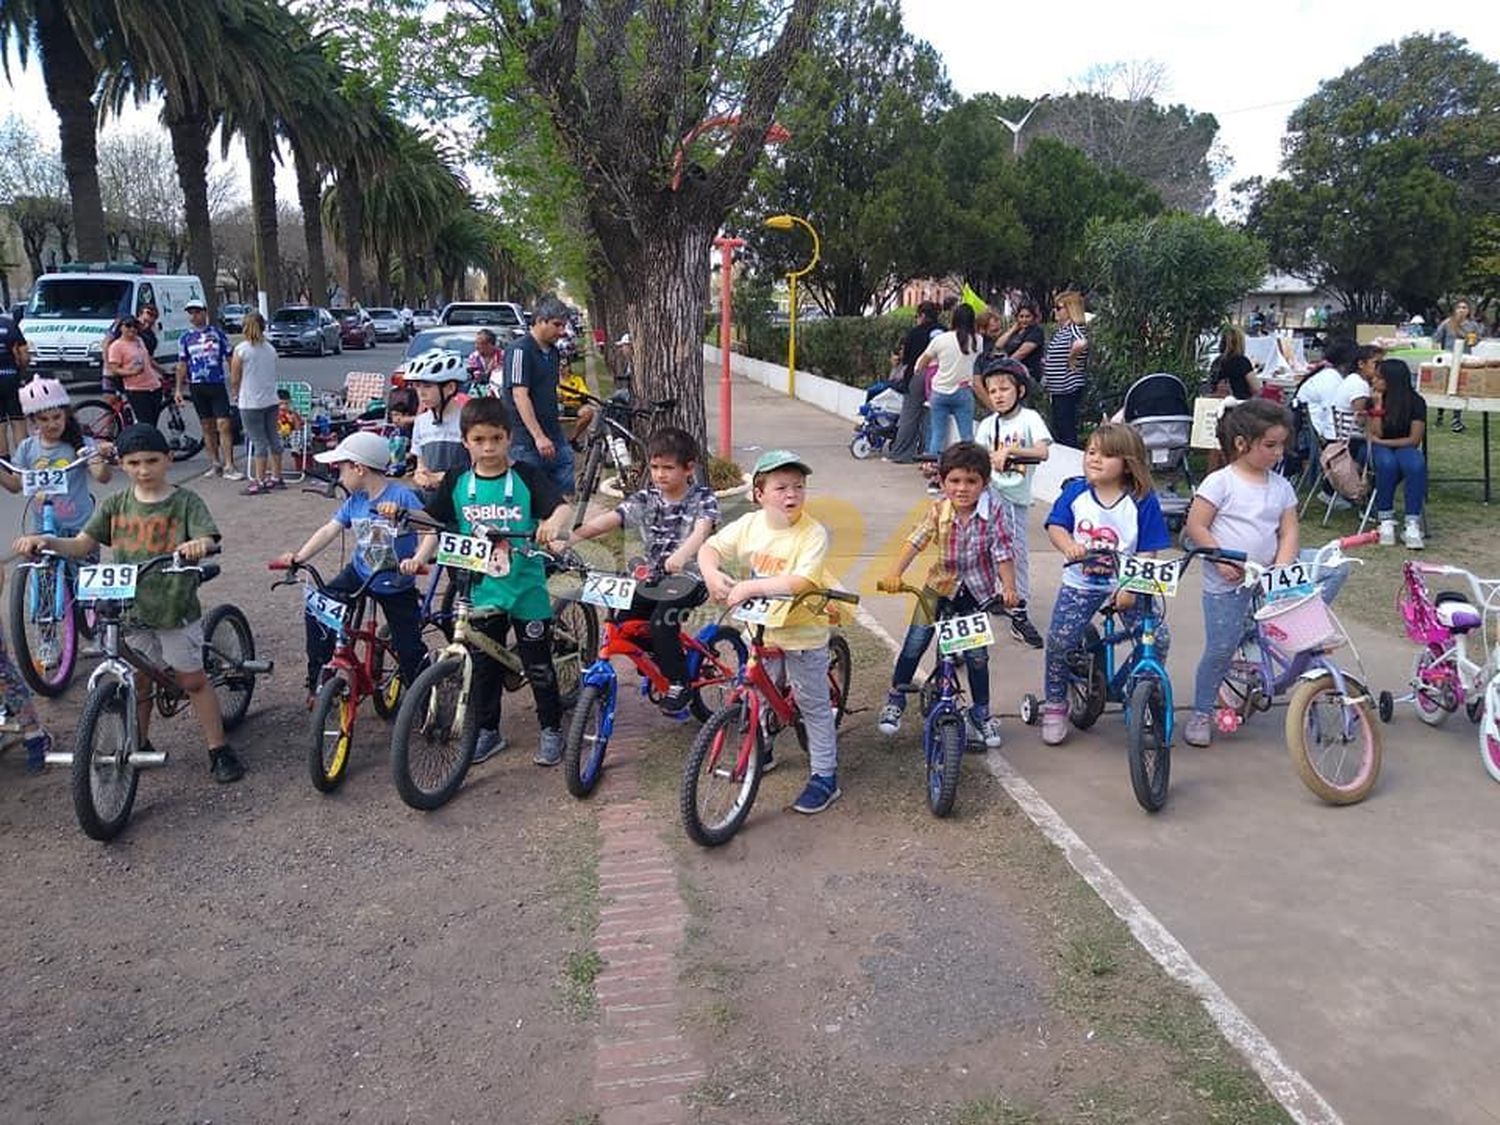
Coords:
252,382
952,397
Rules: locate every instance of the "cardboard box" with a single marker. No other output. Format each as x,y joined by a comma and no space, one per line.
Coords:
1479,381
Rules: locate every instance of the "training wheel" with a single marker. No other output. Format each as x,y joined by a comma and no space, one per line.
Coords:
1031,711
1387,706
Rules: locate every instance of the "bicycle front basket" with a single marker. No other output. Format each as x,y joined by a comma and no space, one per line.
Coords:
1299,624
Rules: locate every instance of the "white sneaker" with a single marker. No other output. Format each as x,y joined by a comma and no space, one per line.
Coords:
1412,536
233,474
1387,533
211,472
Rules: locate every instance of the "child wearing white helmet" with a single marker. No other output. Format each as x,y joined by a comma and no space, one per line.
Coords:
57,440
436,439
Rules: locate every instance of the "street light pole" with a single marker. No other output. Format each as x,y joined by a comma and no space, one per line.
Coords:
787,222
1016,126
727,247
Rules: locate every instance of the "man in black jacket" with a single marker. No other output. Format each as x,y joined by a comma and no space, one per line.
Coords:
912,426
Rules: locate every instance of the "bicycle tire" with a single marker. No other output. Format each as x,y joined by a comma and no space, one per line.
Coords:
1149,753
860,448
1085,705
105,706
331,734
588,481
575,627
1489,729
593,714
39,585
1429,710
227,644
419,724
1302,719
945,757
389,685
728,732
718,639
98,420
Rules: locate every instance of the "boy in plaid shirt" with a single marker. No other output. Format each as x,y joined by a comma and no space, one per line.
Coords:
973,567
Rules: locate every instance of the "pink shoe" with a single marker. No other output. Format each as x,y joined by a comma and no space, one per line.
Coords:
1055,724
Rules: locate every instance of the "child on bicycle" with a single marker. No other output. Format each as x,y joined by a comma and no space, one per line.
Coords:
437,434
781,550
153,517
974,566
497,494
1111,507
674,515
360,460
58,441
1013,428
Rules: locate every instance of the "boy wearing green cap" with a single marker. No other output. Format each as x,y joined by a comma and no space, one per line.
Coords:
780,550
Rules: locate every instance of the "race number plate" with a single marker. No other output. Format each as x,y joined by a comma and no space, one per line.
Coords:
463,552
44,482
760,611
959,634
326,611
106,581
1150,576
1286,581
613,591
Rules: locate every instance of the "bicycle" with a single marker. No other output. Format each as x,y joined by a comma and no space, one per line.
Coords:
611,441
1286,648
760,706
103,420
44,619
430,750
363,666
709,653
107,758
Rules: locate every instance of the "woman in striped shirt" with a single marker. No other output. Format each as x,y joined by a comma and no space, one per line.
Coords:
1063,366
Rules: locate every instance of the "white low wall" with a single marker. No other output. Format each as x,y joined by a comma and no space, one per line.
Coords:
845,401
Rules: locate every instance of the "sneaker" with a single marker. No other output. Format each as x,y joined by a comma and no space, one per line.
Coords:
991,733
934,489
212,471
550,749
254,488
487,745
225,765
890,714
1411,535
675,701
38,746
820,792
1387,533
1458,425
233,474
1199,729
1055,724
1023,630
768,760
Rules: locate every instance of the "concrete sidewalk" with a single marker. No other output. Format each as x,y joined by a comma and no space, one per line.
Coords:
1356,938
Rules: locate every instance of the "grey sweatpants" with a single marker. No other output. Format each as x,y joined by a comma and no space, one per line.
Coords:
807,673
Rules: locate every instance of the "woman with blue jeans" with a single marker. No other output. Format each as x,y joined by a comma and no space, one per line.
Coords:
952,397
1395,450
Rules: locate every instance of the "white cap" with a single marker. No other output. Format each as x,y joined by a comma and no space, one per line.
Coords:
624,338
1417,320
193,303
362,447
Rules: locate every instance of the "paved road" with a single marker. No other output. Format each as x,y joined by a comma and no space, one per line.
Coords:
1356,938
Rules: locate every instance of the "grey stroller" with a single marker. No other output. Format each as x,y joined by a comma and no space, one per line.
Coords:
1157,407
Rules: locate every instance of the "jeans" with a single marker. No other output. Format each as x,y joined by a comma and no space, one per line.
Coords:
402,614
1405,462
919,636
1071,614
666,619
559,470
807,673
959,406
1016,520
1065,417
261,431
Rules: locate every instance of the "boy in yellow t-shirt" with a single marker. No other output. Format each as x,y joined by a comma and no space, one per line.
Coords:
781,551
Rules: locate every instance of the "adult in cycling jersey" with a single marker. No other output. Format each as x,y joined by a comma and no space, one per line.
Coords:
203,371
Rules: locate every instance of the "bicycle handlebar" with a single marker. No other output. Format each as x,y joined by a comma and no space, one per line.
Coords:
995,605
68,468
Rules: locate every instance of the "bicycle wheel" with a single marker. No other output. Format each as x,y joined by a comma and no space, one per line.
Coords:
104,781
860,448
182,446
331,733
388,682
588,480
97,420
588,738
429,753
1435,701
1087,691
227,644
1489,729
1146,746
568,654
944,744
1334,745
716,678
721,775
575,627
46,640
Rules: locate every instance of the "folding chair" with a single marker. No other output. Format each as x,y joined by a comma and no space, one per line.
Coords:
362,388
296,442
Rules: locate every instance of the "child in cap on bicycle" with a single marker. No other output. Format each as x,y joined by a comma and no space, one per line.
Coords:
153,517
57,441
1111,507
360,461
496,494
781,551
675,515
973,567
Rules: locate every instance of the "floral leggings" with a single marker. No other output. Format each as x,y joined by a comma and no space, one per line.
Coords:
1071,614
14,693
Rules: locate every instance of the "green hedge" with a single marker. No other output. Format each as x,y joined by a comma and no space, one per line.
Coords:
850,349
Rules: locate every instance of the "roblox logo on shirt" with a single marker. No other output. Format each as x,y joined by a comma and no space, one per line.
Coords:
492,513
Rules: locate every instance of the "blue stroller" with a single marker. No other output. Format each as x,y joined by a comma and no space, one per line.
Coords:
878,418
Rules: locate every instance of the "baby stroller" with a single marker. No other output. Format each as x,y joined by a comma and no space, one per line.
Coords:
1157,407
878,417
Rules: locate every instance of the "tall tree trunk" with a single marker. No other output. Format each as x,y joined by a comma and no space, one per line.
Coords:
190,130
70,77
309,197
352,212
259,147
383,275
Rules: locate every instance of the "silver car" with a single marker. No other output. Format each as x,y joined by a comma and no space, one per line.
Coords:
388,324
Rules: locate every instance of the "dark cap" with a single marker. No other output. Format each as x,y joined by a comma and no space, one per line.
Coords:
141,438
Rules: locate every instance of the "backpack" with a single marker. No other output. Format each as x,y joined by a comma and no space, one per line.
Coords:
1342,471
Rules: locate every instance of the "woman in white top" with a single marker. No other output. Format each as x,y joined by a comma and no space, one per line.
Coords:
954,352
252,384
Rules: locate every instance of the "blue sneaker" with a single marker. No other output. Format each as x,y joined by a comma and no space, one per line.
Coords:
37,748
487,745
821,791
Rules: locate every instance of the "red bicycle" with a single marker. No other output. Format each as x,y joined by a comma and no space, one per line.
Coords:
723,770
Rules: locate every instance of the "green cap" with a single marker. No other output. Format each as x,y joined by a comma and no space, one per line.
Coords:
779,459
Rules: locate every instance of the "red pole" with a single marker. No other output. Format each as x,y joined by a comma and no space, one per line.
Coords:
727,247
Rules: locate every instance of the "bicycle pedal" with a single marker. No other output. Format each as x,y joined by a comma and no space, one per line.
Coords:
59,758
143,759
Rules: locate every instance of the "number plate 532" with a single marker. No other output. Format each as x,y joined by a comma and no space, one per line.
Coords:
106,581
1150,576
959,634
613,591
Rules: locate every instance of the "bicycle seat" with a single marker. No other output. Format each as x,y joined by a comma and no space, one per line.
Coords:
1455,614
669,588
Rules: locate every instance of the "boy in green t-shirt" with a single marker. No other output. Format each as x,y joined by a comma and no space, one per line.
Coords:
153,517
493,493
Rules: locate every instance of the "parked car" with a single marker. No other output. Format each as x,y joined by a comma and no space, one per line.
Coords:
504,318
423,318
232,317
356,329
305,329
460,340
388,324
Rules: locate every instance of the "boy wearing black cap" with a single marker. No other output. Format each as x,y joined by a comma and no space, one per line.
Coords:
153,517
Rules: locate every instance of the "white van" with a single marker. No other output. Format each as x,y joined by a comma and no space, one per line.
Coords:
69,314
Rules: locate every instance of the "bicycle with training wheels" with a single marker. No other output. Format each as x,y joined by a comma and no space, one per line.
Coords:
1330,728
611,442
45,620
107,758
715,654
103,420
430,750
728,758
